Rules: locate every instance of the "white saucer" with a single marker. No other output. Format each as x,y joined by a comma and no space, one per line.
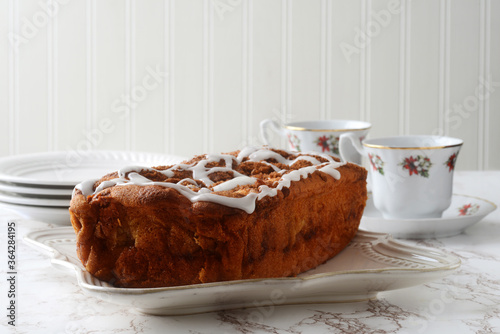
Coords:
453,221
12,198
66,169
51,215
39,186
38,191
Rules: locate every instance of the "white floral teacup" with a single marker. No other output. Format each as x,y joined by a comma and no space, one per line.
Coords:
319,136
411,176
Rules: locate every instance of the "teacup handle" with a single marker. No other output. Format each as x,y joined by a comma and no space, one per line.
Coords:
347,142
273,125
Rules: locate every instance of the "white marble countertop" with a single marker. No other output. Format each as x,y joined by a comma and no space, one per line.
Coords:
467,301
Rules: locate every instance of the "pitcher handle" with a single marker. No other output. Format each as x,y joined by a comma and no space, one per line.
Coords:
273,125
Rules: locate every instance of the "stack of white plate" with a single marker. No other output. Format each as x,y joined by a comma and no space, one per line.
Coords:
39,186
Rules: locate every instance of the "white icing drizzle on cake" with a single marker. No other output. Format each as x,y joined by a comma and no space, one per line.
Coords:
130,176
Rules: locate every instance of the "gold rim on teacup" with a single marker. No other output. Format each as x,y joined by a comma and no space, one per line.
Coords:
387,147
301,128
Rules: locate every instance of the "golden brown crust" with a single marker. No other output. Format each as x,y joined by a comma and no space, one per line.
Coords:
152,236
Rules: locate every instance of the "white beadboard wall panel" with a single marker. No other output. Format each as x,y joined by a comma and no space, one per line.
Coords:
226,76
148,76
464,78
32,115
383,92
492,101
5,131
266,67
423,81
188,82
69,74
305,65
193,76
341,69
111,95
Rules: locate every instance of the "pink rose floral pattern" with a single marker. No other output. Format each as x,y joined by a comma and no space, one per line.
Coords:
328,144
468,209
376,163
450,163
418,165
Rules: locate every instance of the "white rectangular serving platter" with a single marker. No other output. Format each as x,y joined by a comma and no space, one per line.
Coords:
373,262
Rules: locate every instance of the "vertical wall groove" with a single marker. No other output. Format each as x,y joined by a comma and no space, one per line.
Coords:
168,103
324,60
244,72
52,88
208,70
481,71
407,68
368,68
365,59
444,66
289,32
484,74
14,79
442,55
328,55
447,64
362,66
404,69
250,70
487,70
130,72
286,60
247,78
91,110
329,61
133,73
